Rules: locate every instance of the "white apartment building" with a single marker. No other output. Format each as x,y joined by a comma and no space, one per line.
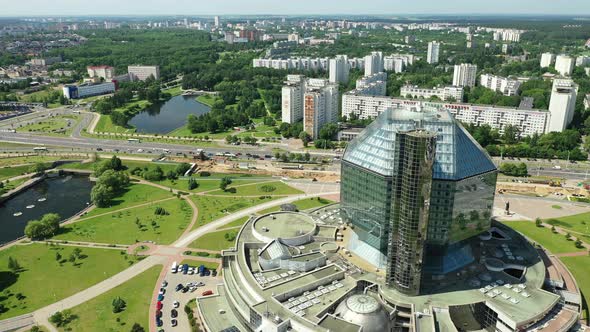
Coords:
504,85
564,65
292,99
320,105
339,69
398,62
464,75
582,61
506,34
562,104
373,63
547,59
443,93
374,85
433,52
528,121
105,72
141,73
88,90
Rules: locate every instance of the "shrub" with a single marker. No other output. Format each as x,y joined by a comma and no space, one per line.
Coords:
160,211
267,188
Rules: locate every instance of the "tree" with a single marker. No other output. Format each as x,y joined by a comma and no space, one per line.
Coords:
192,183
511,134
329,131
13,264
305,138
38,168
118,305
538,222
579,244
57,256
137,328
100,195
57,319
225,181
181,169
44,228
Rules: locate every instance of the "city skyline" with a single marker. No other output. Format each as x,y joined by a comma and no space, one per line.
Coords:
234,7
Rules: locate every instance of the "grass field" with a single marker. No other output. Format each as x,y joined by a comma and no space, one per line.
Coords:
9,161
204,183
215,240
577,223
236,223
61,125
97,314
212,208
578,266
206,99
136,194
43,280
555,243
302,204
10,172
130,226
266,188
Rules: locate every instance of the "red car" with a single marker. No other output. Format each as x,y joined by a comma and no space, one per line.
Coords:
158,313
205,293
159,305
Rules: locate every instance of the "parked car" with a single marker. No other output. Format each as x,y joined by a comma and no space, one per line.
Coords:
158,313
175,304
159,305
185,289
179,287
214,273
159,322
205,293
174,313
173,323
160,297
164,283
162,291
200,284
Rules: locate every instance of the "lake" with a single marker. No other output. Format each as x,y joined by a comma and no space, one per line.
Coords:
165,117
65,195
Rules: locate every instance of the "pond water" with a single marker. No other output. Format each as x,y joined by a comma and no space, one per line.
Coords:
165,117
65,195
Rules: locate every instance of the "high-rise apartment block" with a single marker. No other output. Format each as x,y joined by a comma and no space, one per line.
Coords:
373,63
374,85
433,52
547,59
464,75
398,62
292,99
339,69
564,65
504,85
105,72
562,104
320,105
141,73
446,93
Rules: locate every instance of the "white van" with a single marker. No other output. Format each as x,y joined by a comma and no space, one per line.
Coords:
174,268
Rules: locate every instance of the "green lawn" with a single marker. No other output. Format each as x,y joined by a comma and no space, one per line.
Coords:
555,243
207,100
302,204
197,263
134,195
266,188
215,240
12,184
130,226
105,124
577,223
10,172
44,281
236,223
32,159
204,184
61,125
97,314
578,266
212,208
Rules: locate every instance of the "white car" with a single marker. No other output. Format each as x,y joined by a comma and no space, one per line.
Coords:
175,304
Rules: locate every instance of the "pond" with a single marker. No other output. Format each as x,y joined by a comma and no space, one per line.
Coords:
165,117
65,195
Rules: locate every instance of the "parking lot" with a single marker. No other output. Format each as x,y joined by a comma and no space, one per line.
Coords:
172,295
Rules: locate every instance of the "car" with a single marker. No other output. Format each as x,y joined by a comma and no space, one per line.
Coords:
164,283
173,323
162,291
200,284
214,273
158,313
175,304
160,297
159,305
185,289
98,149
174,313
159,322
161,330
205,293
179,287
192,289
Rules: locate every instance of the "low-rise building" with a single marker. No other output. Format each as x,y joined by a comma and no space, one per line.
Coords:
88,90
141,73
374,85
446,93
504,85
105,72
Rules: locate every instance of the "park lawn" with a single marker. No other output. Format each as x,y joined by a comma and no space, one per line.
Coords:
555,243
105,125
215,240
257,189
204,183
122,227
97,314
135,194
207,100
10,172
577,223
44,281
8,186
57,125
236,223
212,208
578,266
302,205
78,165
32,159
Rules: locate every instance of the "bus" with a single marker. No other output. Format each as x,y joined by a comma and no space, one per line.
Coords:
40,149
134,140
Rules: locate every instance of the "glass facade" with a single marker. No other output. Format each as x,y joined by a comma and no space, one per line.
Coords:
415,185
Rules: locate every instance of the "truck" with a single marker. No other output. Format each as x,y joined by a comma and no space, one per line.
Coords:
174,267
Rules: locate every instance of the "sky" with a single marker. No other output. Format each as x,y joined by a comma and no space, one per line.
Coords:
289,7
